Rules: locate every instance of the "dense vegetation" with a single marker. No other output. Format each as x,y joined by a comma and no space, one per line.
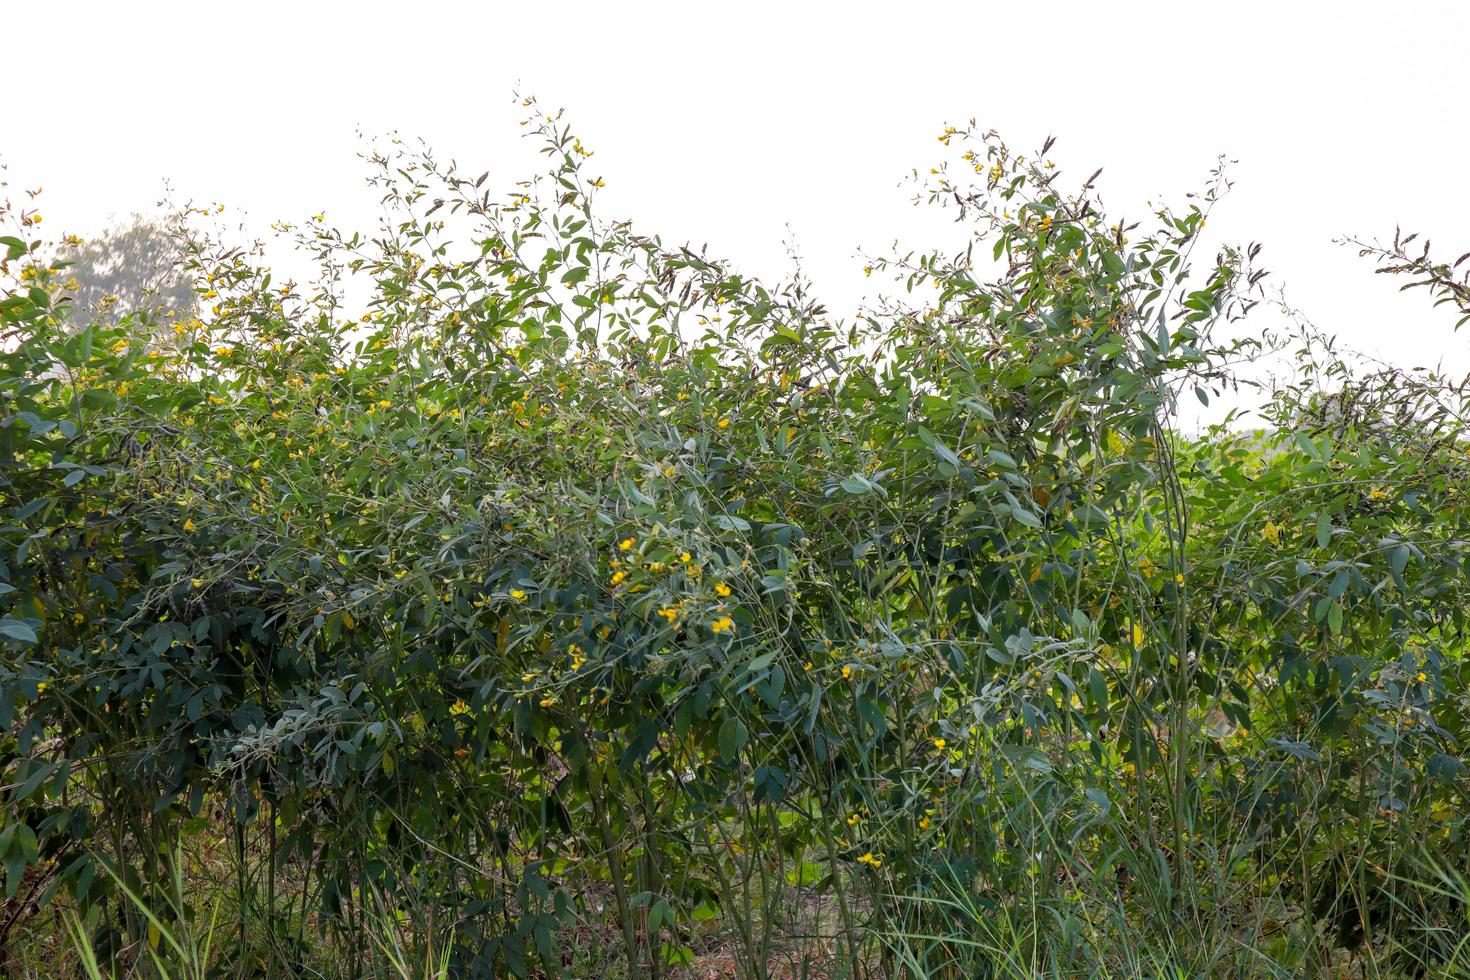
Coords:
525,596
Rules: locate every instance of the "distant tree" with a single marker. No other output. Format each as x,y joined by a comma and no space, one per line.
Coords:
132,266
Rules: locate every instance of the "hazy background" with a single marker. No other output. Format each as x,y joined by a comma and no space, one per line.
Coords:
732,123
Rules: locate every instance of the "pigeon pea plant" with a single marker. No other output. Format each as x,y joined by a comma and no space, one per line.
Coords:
521,575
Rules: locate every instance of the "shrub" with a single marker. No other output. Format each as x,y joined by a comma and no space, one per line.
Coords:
573,578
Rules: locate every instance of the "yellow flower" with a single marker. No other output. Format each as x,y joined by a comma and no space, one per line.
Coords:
518,595
722,590
669,613
618,577
626,544
255,464
198,583
940,743
722,625
1271,532
723,423
870,860
188,525
685,556
547,702
459,708
1423,677
846,672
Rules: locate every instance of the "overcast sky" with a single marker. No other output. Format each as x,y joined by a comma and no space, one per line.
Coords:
729,123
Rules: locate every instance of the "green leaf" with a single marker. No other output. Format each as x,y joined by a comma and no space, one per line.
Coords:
1398,560
732,738
660,914
677,955
946,455
1024,515
15,629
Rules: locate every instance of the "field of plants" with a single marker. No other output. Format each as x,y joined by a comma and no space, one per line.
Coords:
522,595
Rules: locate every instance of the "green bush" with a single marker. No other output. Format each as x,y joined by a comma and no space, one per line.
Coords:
571,579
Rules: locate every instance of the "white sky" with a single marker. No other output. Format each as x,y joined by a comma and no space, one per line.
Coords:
727,123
